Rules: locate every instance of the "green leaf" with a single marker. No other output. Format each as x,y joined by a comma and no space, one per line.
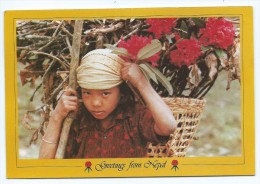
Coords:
199,22
220,53
116,50
121,52
147,71
110,46
169,38
184,28
161,78
205,47
222,56
145,74
149,50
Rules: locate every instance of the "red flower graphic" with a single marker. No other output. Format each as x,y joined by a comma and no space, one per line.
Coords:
218,32
175,164
134,44
161,26
88,165
186,53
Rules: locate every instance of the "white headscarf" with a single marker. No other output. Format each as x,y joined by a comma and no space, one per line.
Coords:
100,69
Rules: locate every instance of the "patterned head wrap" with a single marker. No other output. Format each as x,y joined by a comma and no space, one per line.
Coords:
100,69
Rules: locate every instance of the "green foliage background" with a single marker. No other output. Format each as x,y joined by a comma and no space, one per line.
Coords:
219,131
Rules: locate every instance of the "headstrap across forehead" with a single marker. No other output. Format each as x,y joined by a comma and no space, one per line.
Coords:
100,69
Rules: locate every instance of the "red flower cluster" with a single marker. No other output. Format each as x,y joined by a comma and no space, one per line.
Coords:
218,32
133,46
161,26
186,53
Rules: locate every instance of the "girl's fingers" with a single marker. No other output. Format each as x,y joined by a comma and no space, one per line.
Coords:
129,71
67,102
70,92
126,72
67,107
70,98
125,64
70,107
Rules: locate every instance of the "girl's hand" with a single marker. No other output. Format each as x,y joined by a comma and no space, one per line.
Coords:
67,102
132,73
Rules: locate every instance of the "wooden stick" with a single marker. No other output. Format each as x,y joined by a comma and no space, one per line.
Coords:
72,83
95,31
63,64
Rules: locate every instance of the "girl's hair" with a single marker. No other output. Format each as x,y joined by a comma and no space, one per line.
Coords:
127,100
126,104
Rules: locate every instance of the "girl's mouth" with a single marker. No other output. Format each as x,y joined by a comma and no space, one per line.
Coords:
98,113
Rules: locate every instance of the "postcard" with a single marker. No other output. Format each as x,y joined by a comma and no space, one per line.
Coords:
137,92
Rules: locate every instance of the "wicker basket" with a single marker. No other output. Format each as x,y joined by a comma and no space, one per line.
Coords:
187,113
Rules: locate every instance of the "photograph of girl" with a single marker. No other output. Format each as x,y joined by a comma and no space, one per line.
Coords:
139,87
114,126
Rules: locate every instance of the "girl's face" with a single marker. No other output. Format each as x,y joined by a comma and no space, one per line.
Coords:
101,103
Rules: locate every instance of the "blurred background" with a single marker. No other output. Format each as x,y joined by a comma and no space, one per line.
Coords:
220,126
219,131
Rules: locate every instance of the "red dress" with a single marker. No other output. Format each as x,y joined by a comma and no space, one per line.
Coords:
127,138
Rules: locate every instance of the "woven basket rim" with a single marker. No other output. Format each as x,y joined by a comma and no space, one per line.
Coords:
185,99
181,105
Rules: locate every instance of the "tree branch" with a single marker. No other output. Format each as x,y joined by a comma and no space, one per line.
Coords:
72,83
63,64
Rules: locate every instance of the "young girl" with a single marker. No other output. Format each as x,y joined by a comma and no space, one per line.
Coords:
112,123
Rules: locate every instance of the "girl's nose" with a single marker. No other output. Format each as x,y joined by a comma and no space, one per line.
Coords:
96,102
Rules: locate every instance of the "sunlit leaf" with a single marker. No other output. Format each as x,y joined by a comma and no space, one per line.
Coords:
145,74
148,72
149,50
161,78
117,50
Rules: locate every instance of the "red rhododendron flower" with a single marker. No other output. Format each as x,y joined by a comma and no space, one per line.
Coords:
186,53
161,26
177,36
218,32
133,46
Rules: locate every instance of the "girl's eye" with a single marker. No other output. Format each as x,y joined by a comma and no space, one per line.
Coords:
86,93
106,93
